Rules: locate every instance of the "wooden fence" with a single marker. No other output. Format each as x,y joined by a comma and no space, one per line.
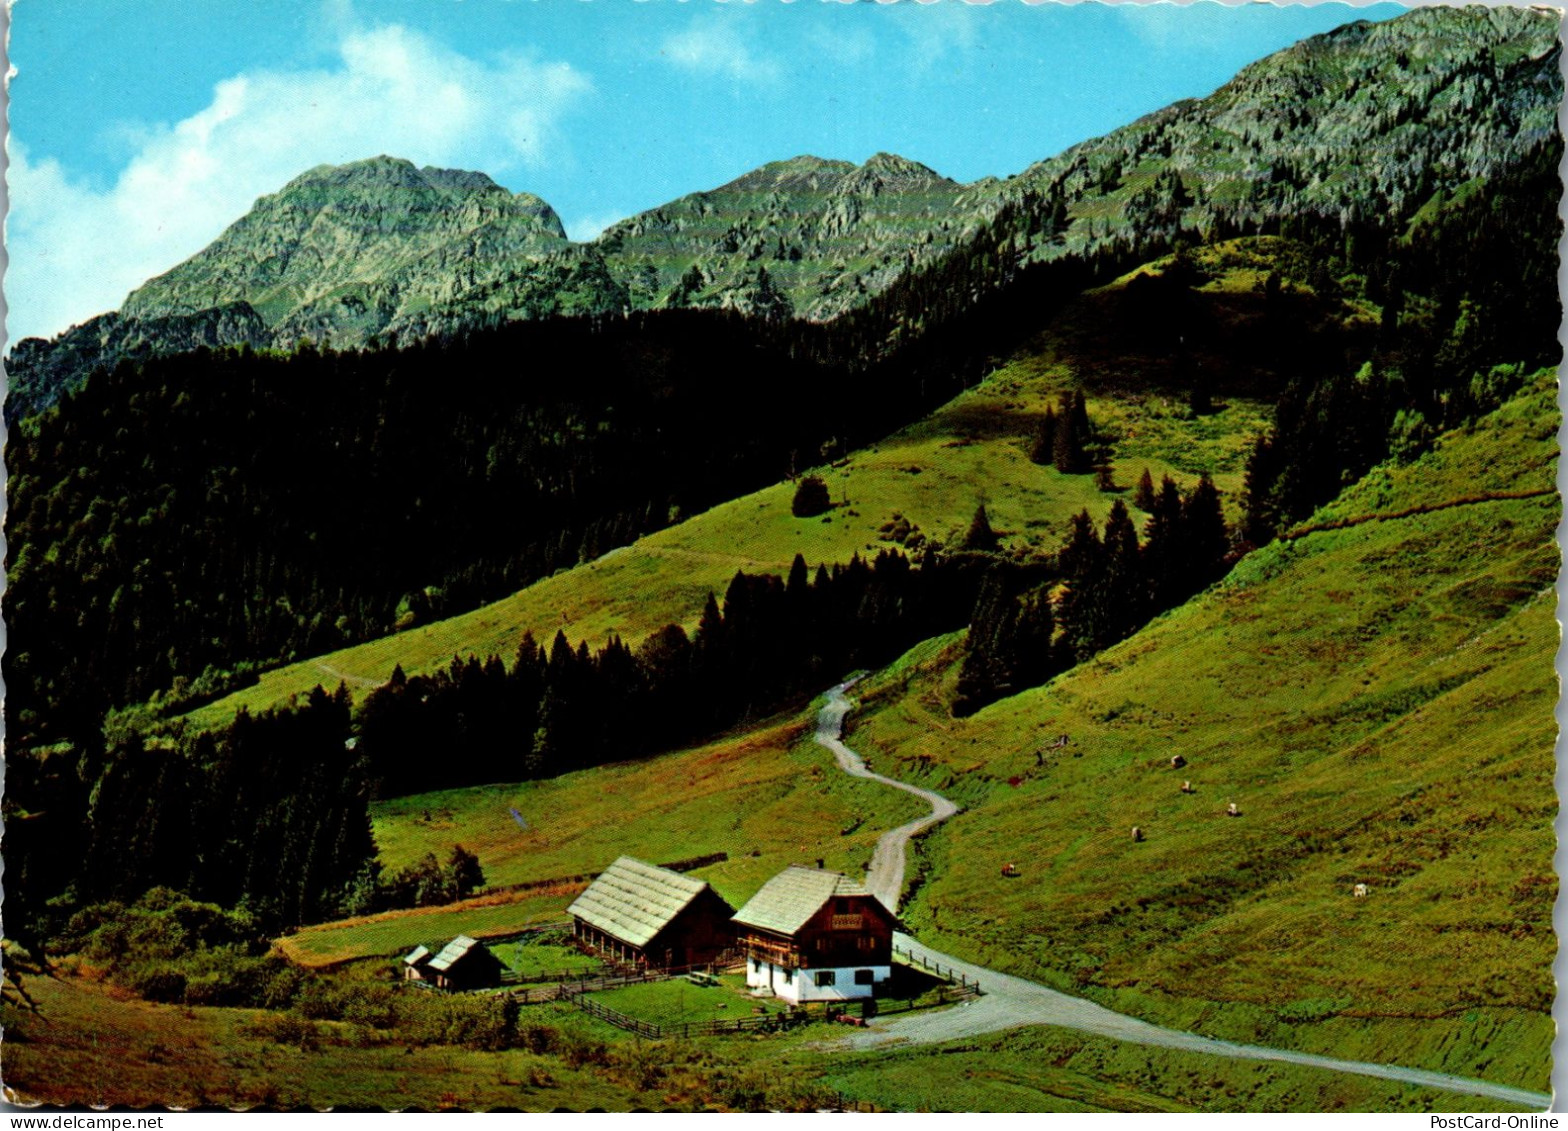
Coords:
769,1023
583,984
962,982
510,978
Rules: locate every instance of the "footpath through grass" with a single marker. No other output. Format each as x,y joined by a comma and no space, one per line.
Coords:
1377,700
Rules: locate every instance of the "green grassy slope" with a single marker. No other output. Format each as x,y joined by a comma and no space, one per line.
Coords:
1377,699
90,1042
973,450
768,799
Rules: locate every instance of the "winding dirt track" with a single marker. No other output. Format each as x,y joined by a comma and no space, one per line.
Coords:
1009,1002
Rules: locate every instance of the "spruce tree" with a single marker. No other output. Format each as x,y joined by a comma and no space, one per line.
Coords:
1081,563
981,674
1203,535
1143,495
1162,550
1072,432
980,537
1122,596
1043,451
799,580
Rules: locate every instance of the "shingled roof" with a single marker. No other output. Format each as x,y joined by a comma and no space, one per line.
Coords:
633,901
793,896
453,951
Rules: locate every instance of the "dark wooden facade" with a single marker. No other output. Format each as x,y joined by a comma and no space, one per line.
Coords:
847,930
464,965
699,934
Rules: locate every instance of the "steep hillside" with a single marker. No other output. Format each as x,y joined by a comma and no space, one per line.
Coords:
1360,125
1375,692
931,475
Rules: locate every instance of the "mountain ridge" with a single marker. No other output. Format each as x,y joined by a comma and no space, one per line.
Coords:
1361,124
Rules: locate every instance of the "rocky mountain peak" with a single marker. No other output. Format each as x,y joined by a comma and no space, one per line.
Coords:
797,174
888,172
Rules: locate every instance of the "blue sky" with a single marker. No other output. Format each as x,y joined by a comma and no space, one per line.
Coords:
141,130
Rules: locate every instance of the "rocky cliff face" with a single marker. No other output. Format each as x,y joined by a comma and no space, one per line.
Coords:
342,253
1369,120
807,237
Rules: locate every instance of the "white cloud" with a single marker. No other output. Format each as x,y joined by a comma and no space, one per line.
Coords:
714,48
938,28
585,228
76,251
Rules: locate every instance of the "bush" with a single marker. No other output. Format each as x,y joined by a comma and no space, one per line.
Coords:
155,981
287,1029
228,976
811,498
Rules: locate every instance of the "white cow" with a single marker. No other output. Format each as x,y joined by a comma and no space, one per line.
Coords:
1360,891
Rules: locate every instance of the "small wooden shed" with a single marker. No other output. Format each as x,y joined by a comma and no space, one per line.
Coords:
464,964
416,964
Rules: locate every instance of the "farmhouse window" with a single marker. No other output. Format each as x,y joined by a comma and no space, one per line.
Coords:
825,977
863,978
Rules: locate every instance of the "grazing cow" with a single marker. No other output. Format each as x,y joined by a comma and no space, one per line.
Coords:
1360,891
1137,834
1009,869
1232,811
1177,761
1186,787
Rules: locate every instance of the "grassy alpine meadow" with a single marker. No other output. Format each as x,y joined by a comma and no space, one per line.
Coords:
1377,700
933,474
767,799
138,1053
390,933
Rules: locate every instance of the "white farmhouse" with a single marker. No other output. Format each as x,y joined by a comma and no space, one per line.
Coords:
815,935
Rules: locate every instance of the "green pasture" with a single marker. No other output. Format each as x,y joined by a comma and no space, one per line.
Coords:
1378,702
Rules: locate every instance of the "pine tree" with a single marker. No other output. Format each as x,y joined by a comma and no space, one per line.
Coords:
1043,450
1081,563
1204,537
1143,495
980,537
1072,432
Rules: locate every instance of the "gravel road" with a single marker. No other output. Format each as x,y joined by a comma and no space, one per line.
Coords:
1008,1002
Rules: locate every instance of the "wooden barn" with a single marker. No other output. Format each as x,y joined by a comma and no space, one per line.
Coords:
815,935
463,964
651,916
416,964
